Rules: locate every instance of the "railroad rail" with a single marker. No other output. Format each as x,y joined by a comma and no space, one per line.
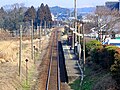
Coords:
53,78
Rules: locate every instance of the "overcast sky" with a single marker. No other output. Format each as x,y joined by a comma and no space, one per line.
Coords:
62,3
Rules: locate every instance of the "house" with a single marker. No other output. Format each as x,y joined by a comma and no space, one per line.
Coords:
113,5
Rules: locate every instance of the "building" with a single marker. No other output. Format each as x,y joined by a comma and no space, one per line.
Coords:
113,5
99,8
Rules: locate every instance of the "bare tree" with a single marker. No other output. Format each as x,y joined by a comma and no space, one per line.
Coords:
108,18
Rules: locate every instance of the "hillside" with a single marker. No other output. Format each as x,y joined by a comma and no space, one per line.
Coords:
57,10
62,11
86,9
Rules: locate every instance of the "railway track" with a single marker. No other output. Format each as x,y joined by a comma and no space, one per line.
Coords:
53,78
49,72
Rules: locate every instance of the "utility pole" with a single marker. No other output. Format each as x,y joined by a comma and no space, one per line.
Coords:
32,57
49,25
75,14
40,38
34,54
45,28
74,37
37,30
20,50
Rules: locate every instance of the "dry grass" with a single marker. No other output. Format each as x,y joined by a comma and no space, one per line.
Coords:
9,60
9,57
8,51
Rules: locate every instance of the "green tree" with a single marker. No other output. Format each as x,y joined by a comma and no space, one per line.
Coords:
47,16
44,14
30,14
40,13
2,17
14,18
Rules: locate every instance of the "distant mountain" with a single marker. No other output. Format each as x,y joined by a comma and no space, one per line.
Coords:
86,9
64,13
59,10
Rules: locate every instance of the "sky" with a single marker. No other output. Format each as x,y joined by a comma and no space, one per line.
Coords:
62,3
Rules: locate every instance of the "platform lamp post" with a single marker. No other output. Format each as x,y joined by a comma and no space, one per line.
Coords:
79,38
84,59
80,27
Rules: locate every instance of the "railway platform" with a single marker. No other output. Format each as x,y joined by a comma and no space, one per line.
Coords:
72,67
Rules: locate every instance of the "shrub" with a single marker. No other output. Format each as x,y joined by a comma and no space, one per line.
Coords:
107,56
96,54
115,68
104,56
91,45
110,52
